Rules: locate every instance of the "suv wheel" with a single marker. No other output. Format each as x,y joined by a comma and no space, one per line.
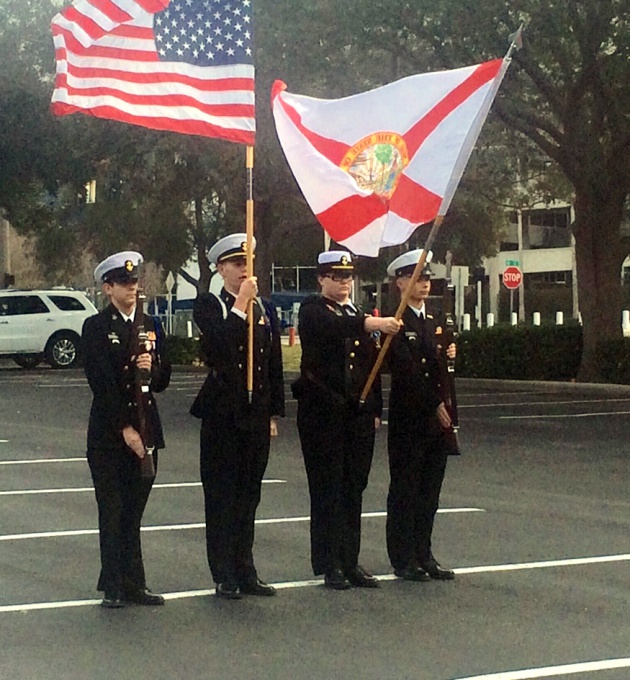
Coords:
62,350
27,360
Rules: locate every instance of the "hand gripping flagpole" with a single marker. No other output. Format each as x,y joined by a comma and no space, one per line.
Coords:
402,306
249,164
516,42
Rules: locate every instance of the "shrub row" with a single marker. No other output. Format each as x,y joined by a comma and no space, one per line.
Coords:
503,352
183,351
613,358
520,352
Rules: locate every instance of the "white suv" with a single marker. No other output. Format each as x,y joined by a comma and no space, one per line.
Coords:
43,325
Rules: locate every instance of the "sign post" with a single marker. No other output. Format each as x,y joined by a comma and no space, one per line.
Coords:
512,279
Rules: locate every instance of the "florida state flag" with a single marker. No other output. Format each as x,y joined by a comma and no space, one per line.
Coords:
376,165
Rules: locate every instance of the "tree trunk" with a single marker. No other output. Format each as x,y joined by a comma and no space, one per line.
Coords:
599,257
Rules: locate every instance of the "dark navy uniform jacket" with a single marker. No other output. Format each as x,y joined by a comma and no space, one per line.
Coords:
337,354
415,387
106,351
224,342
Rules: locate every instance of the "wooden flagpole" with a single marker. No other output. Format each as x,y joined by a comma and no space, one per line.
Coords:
401,307
249,164
515,44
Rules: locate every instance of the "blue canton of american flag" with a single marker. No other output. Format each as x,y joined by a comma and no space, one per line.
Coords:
205,32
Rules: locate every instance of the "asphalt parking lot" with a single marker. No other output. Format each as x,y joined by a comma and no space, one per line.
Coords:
535,519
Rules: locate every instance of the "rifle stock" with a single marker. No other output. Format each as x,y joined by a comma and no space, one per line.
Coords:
447,365
142,378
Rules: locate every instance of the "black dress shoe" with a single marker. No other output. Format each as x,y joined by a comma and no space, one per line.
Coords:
412,573
257,587
336,580
361,578
228,591
437,572
112,600
144,597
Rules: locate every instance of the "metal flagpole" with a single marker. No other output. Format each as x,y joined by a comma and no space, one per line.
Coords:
249,164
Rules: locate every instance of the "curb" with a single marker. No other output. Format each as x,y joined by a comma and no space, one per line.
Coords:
543,386
483,383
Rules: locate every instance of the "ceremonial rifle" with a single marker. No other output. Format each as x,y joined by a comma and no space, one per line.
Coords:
447,365
142,379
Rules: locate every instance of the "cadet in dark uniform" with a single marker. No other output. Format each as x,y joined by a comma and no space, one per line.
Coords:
417,420
235,434
115,447
337,437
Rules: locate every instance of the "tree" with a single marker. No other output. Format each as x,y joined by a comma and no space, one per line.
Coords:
568,92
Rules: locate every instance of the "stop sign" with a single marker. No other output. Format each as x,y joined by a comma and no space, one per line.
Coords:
512,277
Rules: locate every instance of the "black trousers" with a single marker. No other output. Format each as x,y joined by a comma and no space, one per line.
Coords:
337,445
232,463
121,496
417,464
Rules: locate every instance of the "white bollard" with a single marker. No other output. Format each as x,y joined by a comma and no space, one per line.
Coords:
490,319
466,322
536,319
514,319
559,318
189,329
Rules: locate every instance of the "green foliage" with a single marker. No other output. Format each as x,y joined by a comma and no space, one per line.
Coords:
613,357
520,352
183,351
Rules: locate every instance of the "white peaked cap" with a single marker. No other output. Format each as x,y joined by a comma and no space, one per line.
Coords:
408,259
335,259
228,247
124,264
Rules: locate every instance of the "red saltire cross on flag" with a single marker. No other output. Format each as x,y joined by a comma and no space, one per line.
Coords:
375,165
180,65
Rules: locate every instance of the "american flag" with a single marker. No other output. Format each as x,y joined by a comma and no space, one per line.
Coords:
180,65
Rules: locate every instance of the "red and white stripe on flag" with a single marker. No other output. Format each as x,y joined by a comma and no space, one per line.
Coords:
158,64
376,165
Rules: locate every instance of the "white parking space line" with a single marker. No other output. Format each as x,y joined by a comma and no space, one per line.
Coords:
543,403
198,525
180,595
547,564
39,461
84,489
554,671
567,415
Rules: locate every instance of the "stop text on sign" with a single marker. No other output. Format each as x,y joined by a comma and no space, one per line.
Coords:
512,277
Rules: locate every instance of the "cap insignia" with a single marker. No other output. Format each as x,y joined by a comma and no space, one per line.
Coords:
129,265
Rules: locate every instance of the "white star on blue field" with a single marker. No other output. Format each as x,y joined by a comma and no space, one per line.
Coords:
205,32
